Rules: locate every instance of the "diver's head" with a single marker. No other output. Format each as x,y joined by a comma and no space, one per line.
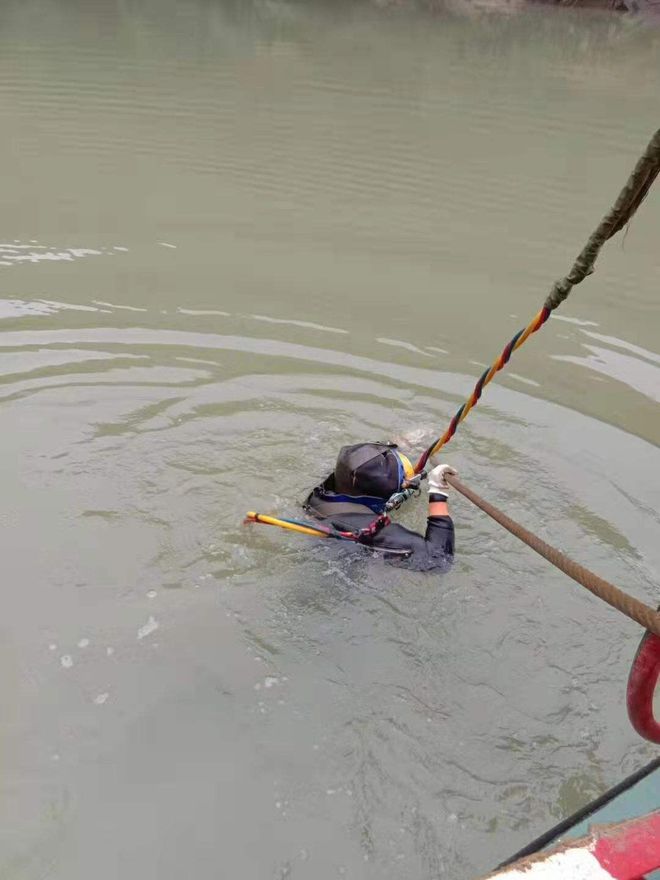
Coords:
374,469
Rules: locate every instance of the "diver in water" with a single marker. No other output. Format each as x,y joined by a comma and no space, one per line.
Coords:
354,498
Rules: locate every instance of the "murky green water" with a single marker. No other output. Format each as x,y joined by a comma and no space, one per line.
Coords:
234,238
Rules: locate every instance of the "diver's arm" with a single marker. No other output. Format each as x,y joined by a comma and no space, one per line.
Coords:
438,504
439,537
439,525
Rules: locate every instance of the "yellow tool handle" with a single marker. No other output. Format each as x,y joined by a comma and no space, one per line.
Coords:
273,521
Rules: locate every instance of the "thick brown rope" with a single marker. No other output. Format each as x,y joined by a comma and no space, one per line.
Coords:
628,605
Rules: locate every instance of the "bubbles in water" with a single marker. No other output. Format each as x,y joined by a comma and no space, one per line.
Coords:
150,626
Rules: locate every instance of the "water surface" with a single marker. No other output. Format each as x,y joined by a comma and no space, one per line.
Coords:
234,237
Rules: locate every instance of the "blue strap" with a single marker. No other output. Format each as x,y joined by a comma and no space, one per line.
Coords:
377,505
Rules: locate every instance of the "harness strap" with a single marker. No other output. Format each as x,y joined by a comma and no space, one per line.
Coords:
369,532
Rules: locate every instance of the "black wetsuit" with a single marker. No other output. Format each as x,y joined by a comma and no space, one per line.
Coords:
435,549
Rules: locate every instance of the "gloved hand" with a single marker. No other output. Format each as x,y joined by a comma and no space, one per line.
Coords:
437,481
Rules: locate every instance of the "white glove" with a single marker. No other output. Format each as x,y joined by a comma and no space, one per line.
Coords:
437,481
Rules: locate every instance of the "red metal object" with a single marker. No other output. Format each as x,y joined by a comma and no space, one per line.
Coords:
642,682
631,849
625,851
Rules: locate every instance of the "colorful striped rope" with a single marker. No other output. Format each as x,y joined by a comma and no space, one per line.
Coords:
634,192
520,337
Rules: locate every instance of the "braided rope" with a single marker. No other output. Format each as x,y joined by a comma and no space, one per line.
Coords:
520,337
627,604
630,198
